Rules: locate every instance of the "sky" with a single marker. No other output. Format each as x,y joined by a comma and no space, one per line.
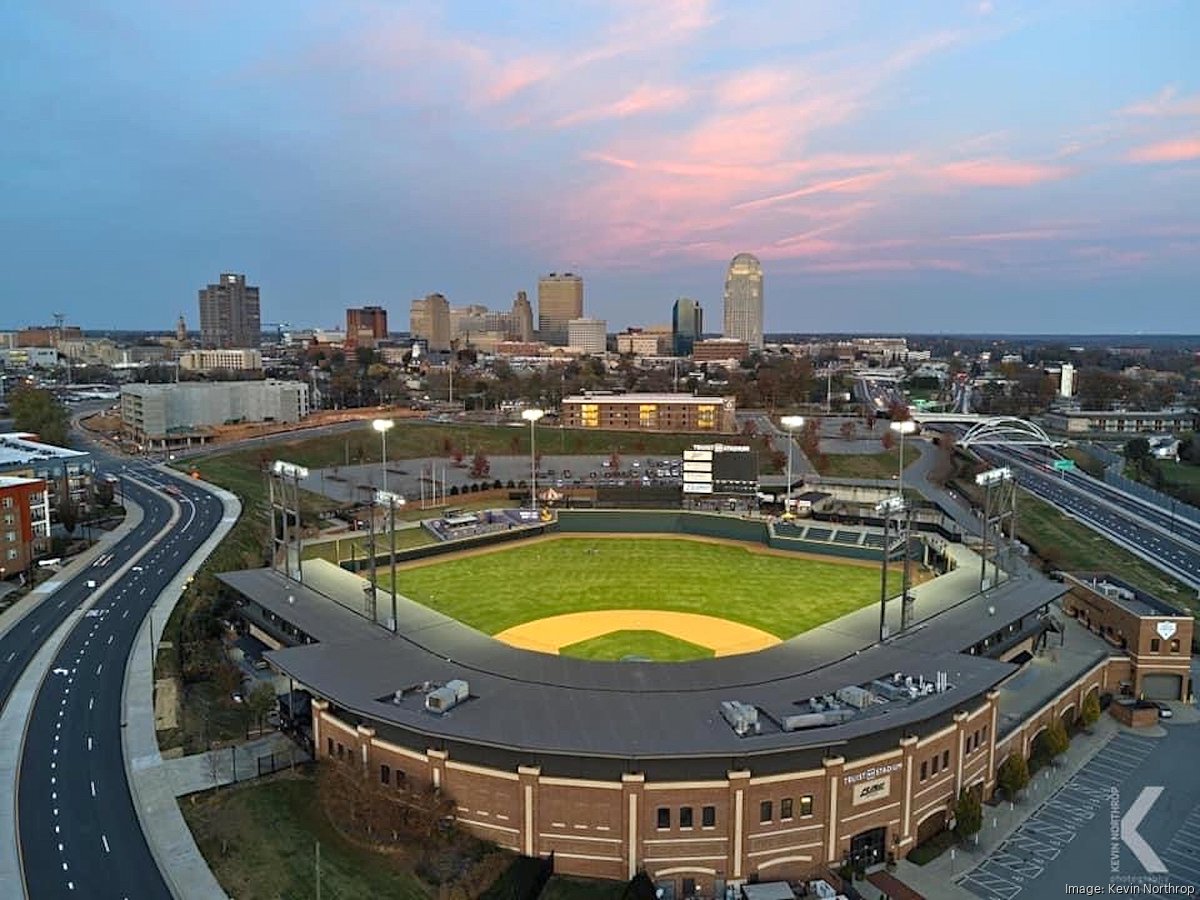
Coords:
920,167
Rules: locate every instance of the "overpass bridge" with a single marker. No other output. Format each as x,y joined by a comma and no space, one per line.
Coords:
985,431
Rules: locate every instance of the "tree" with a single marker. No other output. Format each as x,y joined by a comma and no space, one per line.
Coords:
37,411
614,461
968,813
480,465
68,509
457,455
1137,449
104,493
848,430
1013,775
888,440
1090,712
1054,739
260,702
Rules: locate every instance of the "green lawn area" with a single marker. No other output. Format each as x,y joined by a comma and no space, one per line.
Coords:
885,464
337,549
653,645
1067,544
779,594
259,841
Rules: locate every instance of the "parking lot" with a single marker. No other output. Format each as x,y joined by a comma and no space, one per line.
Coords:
1069,840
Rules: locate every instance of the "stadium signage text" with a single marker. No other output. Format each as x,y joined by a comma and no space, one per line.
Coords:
872,773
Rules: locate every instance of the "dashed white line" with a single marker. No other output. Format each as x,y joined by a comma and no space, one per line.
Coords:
101,666
104,840
10,656
93,788
92,700
90,737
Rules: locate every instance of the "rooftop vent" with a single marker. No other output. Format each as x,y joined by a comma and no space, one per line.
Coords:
742,717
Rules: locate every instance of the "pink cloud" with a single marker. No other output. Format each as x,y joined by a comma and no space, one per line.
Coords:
641,100
1176,150
1002,173
1166,103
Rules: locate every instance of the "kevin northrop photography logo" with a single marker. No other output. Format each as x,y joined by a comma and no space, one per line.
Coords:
1123,832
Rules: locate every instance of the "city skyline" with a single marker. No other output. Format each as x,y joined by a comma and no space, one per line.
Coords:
975,166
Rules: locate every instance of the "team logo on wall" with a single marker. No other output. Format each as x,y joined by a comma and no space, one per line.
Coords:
1166,630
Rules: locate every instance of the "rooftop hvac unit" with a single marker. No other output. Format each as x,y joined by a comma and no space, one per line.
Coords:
853,695
442,700
800,721
742,717
461,689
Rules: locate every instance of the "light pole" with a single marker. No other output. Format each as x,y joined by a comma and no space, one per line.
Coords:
392,501
791,423
908,426
383,426
988,480
531,416
887,508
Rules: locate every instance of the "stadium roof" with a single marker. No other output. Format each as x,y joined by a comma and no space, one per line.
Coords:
531,701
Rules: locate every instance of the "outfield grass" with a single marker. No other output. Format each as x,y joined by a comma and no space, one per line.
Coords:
260,839
655,645
885,464
781,595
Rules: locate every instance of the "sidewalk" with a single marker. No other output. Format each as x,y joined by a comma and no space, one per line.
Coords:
237,762
936,879
150,784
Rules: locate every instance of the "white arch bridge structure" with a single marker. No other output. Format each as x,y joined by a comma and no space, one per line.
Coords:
985,431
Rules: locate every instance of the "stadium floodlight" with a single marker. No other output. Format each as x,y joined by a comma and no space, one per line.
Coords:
908,426
391,501
791,423
383,426
288,470
994,476
531,416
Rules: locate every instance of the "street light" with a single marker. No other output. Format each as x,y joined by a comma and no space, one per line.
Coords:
383,426
531,416
791,423
908,426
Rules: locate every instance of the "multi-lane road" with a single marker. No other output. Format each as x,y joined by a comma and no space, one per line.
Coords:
1170,542
78,831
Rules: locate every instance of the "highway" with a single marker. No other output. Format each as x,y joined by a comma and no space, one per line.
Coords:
1172,544
78,832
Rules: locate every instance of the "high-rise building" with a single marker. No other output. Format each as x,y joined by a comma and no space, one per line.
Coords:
181,335
430,321
1066,380
687,324
522,319
229,313
744,300
560,299
365,325
589,335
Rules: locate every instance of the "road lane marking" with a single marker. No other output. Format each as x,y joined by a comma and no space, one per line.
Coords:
93,788
104,839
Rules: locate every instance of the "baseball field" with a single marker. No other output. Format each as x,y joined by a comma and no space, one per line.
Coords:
653,597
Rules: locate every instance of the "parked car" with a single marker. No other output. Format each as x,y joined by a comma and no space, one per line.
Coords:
1164,711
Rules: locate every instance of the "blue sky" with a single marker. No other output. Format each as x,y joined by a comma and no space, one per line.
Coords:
941,166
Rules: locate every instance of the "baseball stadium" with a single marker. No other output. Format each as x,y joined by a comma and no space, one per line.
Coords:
706,698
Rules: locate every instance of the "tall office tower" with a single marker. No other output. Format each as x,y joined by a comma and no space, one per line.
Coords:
687,324
589,335
365,325
744,301
522,319
430,320
229,313
181,330
560,299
